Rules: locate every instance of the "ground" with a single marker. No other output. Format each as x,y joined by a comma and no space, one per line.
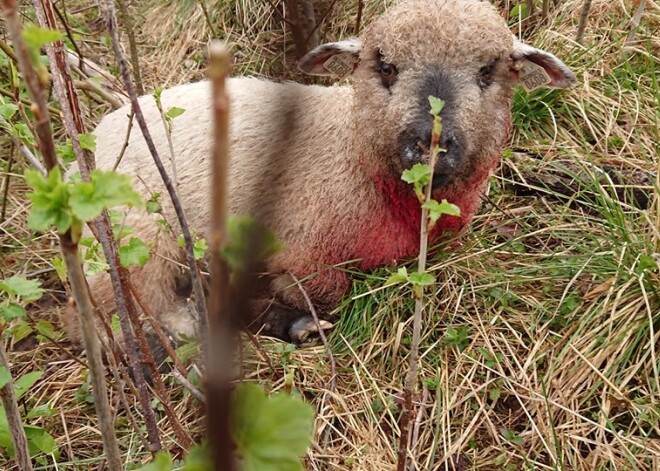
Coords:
540,344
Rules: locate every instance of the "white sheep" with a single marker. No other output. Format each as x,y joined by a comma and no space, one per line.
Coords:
322,166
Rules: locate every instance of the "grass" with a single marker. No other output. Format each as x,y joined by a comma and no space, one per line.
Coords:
541,342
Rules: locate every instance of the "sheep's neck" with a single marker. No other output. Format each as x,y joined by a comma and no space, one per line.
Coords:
390,231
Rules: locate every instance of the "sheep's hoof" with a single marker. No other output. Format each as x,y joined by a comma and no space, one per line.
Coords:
305,333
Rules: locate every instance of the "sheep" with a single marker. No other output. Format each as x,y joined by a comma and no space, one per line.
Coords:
321,165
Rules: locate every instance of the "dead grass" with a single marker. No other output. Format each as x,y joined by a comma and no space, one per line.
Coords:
541,345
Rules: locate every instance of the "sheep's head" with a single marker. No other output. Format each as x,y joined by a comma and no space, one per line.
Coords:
460,51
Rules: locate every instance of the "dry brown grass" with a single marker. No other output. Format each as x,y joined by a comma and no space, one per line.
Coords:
554,362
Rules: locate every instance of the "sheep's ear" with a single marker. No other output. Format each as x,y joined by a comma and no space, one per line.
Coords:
338,59
537,68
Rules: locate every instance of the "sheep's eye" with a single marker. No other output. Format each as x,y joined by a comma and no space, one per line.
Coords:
486,78
388,72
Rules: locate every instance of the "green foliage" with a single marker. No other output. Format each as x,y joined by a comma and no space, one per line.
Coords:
173,113
134,253
17,291
153,204
436,210
36,37
244,235
511,436
39,440
419,175
415,278
105,189
199,246
66,205
457,337
271,432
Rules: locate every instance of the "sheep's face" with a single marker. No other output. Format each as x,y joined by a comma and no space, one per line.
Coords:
460,51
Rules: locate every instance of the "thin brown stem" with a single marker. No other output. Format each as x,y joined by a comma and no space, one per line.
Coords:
72,118
7,181
634,23
132,45
13,414
220,345
411,376
358,18
68,246
198,290
582,24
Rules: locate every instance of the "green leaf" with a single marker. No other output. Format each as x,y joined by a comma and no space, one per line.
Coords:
25,382
244,235
198,459
174,112
88,142
436,210
135,253
106,189
7,110
5,377
199,248
26,290
421,278
511,436
271,432
20,330
12,311
43,410
419,175
401,276
39,440
436,105
60,268
35,37
161,462
49,201
46,329
153,205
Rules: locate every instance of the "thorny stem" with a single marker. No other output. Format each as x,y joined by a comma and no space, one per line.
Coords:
68,246
198,290
72,117
8,396
221,339
411,375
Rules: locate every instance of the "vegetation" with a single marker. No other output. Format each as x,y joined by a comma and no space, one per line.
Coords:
539,346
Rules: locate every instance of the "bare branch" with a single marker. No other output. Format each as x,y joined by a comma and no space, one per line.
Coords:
111,23
13,414
132,45
584,14
68,246
221,323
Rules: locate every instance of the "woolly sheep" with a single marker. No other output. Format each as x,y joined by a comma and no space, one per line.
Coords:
321,166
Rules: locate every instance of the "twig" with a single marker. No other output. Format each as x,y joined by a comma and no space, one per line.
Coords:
220,344
101,227
279,13
297,30
132,45
323,17
358,18
5,189
199,395
68,246
324,339
90,86
111,23
8,395
170,144
634,23
418,423
126,140
207,17
9,94
411,375
584,14
31,158
69,35
7,50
